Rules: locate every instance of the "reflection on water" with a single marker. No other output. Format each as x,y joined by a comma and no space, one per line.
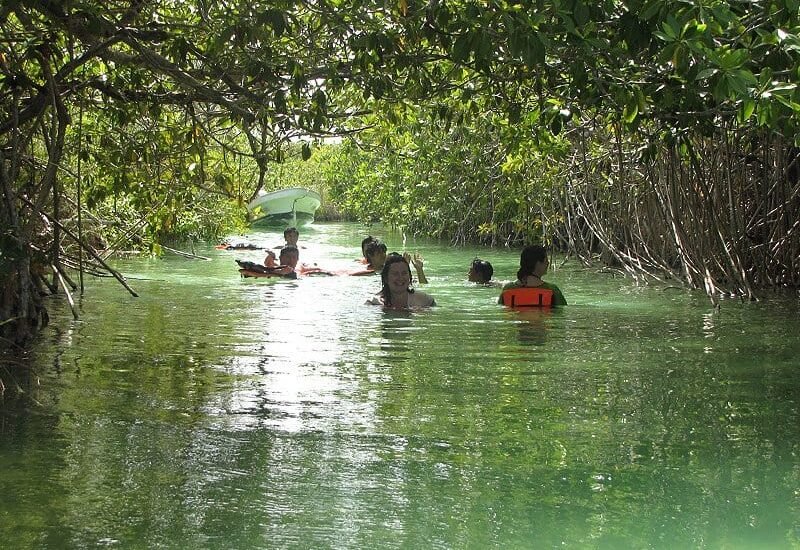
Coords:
396,331
220,412
532,324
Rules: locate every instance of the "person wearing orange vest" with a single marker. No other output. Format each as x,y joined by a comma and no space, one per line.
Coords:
533,264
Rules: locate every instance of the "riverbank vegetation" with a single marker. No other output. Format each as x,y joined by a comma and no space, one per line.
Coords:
655,136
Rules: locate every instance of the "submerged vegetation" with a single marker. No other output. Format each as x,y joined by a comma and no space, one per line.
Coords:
656,136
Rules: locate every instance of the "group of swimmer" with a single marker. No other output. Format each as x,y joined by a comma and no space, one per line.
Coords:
397,291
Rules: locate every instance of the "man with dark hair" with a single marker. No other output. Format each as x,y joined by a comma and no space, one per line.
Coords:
364,243
480,271
376,255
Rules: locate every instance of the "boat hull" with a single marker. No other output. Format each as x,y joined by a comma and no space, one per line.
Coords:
293,206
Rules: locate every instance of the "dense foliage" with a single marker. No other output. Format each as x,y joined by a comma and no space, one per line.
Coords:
659,137
493,120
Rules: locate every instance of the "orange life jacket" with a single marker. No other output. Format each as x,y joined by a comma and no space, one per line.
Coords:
527,296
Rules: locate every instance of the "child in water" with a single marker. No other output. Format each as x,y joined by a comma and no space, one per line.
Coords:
286,268
291,235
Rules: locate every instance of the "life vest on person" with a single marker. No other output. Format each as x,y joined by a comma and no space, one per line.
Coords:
527,296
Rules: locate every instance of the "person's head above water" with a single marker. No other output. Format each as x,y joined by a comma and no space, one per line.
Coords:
291,235
395,277
375,253
368,239
290,255
480,271
532,261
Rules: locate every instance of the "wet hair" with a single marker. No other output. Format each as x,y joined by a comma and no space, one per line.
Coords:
373,248
483,269
530,256
288,249
365,242
290,230
392,258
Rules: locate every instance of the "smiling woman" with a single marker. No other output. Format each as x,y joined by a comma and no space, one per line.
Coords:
396,290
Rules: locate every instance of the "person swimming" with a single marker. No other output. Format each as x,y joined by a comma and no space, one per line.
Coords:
286,268
480,271
290,256
396,290
375,252
364,243
533,264
291,235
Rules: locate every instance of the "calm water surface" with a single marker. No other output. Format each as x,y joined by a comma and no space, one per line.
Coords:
219,412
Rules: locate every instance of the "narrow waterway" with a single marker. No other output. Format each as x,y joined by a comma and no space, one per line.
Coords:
220,412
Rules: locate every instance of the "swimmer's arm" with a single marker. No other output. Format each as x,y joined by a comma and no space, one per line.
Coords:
418,262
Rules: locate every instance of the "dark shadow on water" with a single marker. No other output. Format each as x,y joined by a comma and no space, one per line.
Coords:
532,324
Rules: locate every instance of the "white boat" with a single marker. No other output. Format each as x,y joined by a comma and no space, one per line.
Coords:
293,206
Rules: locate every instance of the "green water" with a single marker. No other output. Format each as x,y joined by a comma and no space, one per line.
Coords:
217,412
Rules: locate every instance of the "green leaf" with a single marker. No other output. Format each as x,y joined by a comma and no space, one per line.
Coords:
517,43
746,76
706,73
783,87
534,53
721,89
734,59
631,110
482,46
581,13
765,77
671,27
650,9
305,151
723,14
641,100
746,110
461,48
664,36
680,59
